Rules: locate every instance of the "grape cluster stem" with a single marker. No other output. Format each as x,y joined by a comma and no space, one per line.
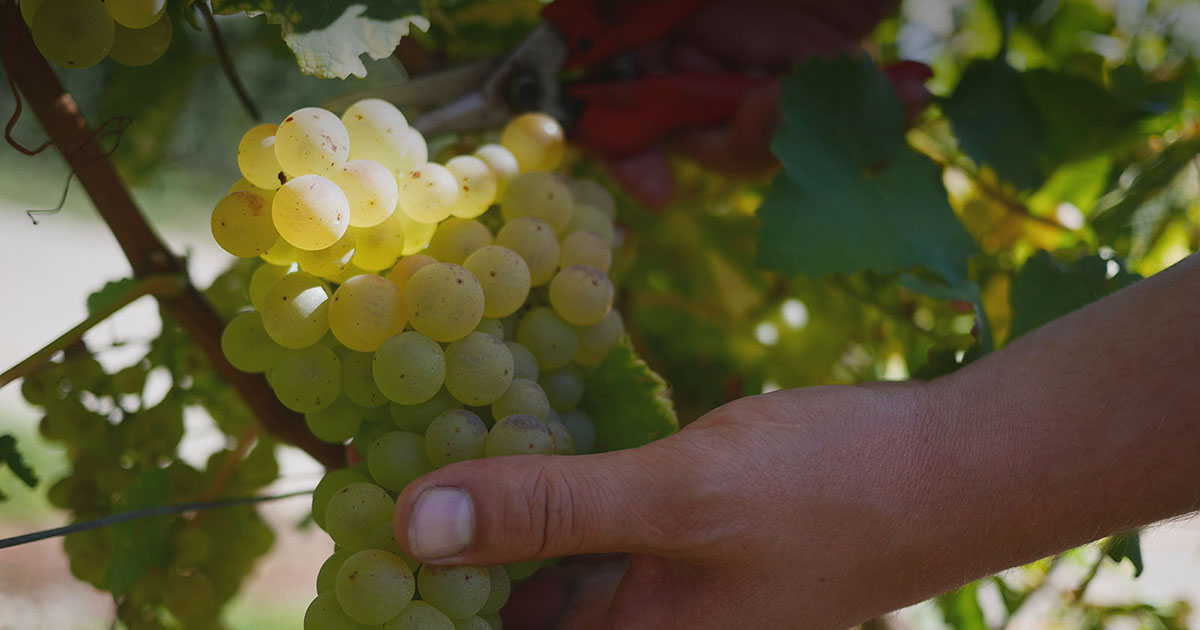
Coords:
58,114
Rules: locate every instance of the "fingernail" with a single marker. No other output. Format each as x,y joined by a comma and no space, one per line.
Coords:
442,523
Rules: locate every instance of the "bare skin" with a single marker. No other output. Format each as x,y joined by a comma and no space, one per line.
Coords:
822,507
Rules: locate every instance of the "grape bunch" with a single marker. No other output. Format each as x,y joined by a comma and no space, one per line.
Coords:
425,314
81,33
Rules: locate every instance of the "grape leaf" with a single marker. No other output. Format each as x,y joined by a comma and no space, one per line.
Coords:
628,402
113,289
1046,289
329,37
853,195
10,456
141,543
1127,545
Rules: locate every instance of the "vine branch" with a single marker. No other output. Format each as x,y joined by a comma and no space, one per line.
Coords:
147,255
227,61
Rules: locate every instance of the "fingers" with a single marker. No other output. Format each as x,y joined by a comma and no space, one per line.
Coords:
509,509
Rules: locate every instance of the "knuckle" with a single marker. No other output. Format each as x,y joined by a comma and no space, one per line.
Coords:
549,514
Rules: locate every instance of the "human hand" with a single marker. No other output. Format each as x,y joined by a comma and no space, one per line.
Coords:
774,511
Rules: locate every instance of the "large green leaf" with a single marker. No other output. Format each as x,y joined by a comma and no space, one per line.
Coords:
1080,117
1127,545
1046,289
853,195
961,610
328,37
628,402
141,543
11,457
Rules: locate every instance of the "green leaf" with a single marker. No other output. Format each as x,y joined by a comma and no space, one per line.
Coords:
10,456
99,300
1080,117
961,610
328,37
1127,545
628,402
1115,211
141,543
1046,289
1018,9
853,195
996,122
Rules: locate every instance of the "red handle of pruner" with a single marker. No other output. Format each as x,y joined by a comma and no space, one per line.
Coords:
596,30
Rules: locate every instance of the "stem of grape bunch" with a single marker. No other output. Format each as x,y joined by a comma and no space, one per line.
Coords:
58,114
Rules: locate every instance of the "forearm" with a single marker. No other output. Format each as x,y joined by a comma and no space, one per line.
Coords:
1085,427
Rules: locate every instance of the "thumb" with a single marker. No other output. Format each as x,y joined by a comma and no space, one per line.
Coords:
509,509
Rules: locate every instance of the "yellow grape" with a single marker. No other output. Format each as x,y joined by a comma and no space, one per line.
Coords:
73,33
590,219
590,192
136,13
256,157
310,211
582,295
409,368
281,253
312,141
456,239
243,184
585,248
28,9
444,301
404,270
476,185
418,151
378,247
263,279
536,140
242,226
295,310
504,166
378,131
141,46
541,196
479,369
416,234
428,193
504,277
328,262
366,310
371,190
537,244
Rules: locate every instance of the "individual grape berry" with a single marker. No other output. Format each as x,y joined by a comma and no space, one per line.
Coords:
366,310
518,434
311,141
331,261
523,396
406,267
502,162
536,141
384,539
586,218
136,13
581,295
479,369
242,225
418,151
585,248
416,234
589,192
370,431
476,185
583,432
396,458
310,211
282,253
454,436
336,423
563,443
73,33
537,244
296,310
501,588
374,586
459,592
327,575
248,347
472,623
456,239
409,368
256,156
563,387
308,380
354,511
444,301
428,193
377,247
521,570
358,381
493,327
538,195
371,190
598,340
525,365
420,615
329,485
551,339
263,278
416,418
504,278
378,131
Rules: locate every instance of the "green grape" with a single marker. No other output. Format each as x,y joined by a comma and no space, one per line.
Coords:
501,588
28,8
493,620
416,234
551,340
479,369
502,163
248,347
281,253
537,244
522,570
244,185
358,381
378,247
409,368
443,301
472,623
263,278
476,185
518,434
563,387
538,195
324,613
428,193
371,190
585,248
374,586
329,485
504,277
523,396
383,538
73,33
296,310
491,327
525,365
256,156
136,13
564,444
589,219
378,131
396,458
598,340
242,225
416,418
405,268
354,511
420,616
582,295
536,140
310,212
456,239
459,592
307,380
337,422
190,597
312,141
141,46
327,575
365,311
366,436
583,432
590,192
454,436
328,262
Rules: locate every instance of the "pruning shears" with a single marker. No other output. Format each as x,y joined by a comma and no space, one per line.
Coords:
577,66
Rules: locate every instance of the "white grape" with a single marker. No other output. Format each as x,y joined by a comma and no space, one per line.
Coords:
551,339
581,295
377,247
428,193
366,310
371,190
308,380
504,278
479,369
536,140
311,141
502,162
378,131
456,239
73,33
589,192
585,248
537,244
444,301
256,156
409,368
296,310
242,225
538,195
311,212
476,185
